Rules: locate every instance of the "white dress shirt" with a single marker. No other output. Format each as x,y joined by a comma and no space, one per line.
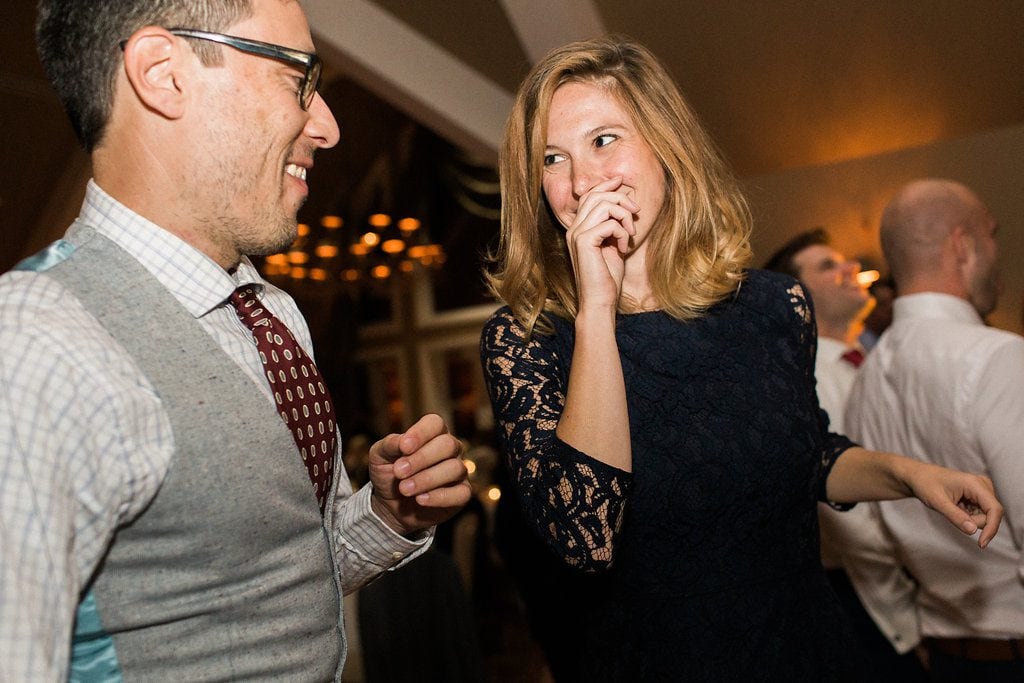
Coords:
856,539
835,377
85,443
942,387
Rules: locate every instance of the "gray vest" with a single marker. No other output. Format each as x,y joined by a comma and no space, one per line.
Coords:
228,574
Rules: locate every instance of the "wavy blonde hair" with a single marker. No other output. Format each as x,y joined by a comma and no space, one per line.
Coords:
700,245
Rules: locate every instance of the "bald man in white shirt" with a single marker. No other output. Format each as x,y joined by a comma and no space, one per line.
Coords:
943,387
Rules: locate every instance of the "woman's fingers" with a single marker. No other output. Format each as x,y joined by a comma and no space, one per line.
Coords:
980,503
599,239
604,214
989,519
970,503
596,204
602,221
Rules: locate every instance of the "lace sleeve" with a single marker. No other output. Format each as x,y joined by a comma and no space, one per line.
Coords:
573,501
833,445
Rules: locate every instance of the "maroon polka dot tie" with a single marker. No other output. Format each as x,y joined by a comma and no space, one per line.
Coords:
299,391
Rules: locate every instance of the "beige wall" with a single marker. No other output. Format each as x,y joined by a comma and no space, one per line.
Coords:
848,198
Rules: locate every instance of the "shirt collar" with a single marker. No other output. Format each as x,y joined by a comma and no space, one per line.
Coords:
833,348
196,281
934,306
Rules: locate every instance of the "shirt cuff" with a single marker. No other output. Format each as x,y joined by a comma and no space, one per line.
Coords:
360,531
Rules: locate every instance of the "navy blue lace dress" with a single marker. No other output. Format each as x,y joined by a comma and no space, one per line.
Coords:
708,552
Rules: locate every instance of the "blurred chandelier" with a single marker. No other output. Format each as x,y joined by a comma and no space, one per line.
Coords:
377,228
332,254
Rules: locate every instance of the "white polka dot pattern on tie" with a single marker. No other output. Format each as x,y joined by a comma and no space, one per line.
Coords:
305,406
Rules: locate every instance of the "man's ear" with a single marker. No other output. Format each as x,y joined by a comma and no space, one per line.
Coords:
963,241
154,64
963,244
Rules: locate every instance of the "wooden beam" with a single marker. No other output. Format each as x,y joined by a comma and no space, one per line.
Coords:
402,67
542,25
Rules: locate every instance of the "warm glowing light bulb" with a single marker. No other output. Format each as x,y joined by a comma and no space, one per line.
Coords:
494,493
379,220
331,222
866,278
392,246
326,250
408,224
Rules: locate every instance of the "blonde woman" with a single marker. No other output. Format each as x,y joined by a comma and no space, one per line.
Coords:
656,398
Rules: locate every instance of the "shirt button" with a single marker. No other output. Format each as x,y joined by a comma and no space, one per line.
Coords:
396,556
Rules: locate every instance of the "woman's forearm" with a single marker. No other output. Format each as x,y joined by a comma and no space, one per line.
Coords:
967,500
863,475
595,419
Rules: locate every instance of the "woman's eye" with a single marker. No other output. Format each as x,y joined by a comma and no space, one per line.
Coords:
606,139
552,159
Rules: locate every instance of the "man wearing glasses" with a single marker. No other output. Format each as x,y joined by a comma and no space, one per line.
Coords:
168,501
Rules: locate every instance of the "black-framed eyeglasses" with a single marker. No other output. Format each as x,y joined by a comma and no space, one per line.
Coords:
309,61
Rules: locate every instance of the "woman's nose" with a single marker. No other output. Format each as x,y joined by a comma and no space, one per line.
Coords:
584,177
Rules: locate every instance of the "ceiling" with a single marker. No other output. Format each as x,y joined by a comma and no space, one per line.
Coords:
780,84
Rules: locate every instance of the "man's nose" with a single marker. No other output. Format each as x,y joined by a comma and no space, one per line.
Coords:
321,126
